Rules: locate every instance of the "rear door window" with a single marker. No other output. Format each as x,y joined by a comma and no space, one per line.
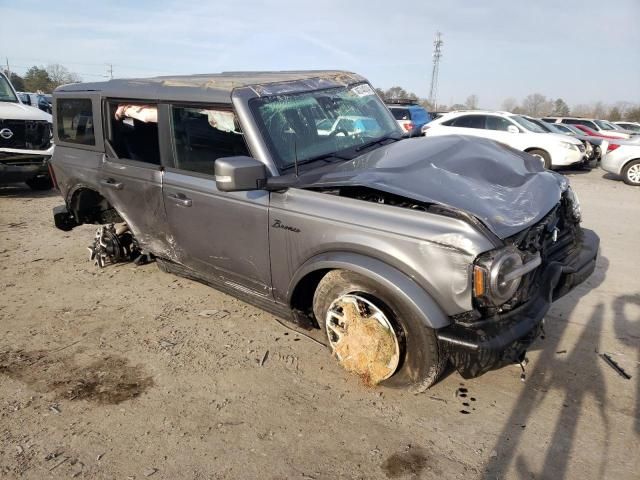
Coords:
468,121
497,123
134,131
201,135
75,121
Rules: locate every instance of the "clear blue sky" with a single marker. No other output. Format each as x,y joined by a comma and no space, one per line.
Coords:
580,50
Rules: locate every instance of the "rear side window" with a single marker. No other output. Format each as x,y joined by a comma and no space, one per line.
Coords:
75,121
134,131
467,121
401,113
202,135
577,121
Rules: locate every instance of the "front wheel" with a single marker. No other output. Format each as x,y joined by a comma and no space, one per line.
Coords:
631,173
374,335
543,156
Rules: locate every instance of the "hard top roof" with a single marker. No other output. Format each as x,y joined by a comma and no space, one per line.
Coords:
216,87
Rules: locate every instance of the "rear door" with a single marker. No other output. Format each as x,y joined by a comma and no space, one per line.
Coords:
131,174
224,236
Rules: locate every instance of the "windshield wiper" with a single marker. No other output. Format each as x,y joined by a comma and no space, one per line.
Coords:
325,157
377,141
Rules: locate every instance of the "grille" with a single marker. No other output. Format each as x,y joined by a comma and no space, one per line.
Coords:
28,134
555,238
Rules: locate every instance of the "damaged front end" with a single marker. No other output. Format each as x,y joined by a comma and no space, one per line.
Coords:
514,287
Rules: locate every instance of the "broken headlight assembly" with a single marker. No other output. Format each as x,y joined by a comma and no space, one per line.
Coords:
497,275
574,204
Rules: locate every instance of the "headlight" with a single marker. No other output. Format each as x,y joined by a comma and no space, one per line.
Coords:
574,204
568,146
493,279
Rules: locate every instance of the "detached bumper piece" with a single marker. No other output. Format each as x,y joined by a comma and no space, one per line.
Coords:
63,220
504,339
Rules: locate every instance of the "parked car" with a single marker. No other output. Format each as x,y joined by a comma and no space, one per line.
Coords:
410,116
37,100
553,150
599,126
406,252
633,126
592,150
624,160
25,140
600,143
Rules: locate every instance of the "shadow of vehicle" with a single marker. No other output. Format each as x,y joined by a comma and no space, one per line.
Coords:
577,375
628,332
23,191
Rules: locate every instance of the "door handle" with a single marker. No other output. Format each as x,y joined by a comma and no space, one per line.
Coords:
111,183
180,199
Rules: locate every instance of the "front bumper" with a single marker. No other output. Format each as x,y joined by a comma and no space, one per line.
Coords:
20,168
504,339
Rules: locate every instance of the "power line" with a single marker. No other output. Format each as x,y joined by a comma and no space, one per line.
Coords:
437,54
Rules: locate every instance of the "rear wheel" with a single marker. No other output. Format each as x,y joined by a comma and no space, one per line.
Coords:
374,335
631,173
543,156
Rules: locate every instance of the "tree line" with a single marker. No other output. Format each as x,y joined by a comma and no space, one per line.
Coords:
43,79
535,105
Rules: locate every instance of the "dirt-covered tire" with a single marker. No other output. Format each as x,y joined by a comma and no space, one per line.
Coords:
543,156
631,173
421,361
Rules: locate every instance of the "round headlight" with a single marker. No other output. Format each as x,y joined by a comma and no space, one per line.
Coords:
500,289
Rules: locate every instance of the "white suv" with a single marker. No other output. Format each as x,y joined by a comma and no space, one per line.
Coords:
553,149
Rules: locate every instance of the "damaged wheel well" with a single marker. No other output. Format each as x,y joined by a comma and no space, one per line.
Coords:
302,296
88,206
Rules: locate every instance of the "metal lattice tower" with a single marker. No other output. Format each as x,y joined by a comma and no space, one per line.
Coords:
437,54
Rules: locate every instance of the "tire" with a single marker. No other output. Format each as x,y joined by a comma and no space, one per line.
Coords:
631,173
421,361
40,183
543,156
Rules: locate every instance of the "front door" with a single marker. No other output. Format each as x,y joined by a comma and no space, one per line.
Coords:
224,236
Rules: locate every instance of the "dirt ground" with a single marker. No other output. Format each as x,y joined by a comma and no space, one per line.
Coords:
133,373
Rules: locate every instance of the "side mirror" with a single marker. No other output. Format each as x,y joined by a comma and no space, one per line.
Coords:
238,174
512,129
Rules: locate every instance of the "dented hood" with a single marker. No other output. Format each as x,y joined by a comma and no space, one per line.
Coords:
506,189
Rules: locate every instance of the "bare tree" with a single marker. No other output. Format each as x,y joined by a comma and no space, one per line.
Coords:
509,104
598,110
472,102
537,105
60,75
582,110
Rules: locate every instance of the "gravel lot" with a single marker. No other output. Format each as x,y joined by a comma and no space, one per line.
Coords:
133,373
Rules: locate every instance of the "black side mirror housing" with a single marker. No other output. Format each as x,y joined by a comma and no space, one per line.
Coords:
240,174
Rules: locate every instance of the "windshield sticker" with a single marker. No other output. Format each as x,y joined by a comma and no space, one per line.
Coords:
363,90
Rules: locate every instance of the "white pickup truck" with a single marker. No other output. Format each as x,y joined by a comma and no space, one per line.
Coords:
25,140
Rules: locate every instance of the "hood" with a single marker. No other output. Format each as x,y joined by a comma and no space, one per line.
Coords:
590,139
18,111
504,188
562,137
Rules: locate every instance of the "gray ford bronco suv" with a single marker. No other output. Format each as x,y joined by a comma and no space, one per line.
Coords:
296,192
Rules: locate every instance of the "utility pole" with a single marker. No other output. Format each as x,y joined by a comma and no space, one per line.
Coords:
110,71
437,54
8,69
